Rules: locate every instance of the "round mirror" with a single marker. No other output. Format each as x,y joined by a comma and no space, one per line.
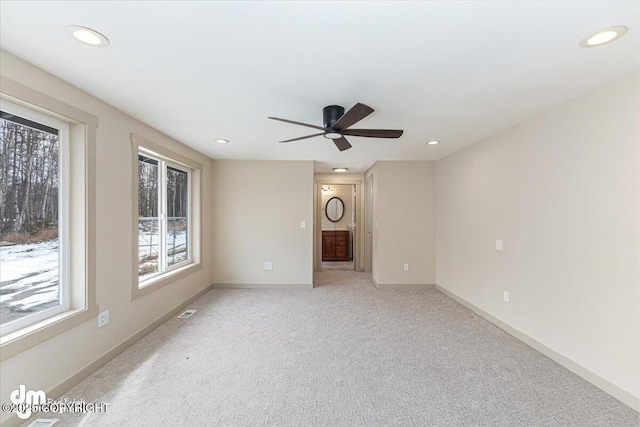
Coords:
334,209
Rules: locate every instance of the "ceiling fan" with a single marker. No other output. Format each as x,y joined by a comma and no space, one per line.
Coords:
337,123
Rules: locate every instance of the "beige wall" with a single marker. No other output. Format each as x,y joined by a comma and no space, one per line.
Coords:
562,192
256,217
50,363
344,192
404,222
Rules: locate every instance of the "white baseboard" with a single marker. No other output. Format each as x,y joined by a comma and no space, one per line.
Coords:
66,385
262,286
607,386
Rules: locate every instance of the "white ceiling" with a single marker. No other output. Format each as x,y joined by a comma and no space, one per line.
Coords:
454,71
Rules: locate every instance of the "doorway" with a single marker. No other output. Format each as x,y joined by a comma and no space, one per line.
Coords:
338,241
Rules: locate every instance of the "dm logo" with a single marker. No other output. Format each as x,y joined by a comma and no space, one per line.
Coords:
25,400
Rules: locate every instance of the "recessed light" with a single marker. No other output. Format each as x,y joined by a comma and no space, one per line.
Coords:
434,142
222,141
603,36
87,36
340,169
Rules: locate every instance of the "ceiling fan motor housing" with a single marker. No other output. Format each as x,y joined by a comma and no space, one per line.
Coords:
331,114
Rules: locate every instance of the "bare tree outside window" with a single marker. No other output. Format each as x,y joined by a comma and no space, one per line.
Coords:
177,199
29,209
148,221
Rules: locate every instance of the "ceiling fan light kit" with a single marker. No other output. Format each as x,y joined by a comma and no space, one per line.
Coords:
332,135
336,124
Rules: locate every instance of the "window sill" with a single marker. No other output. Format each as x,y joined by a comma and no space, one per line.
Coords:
164,280
27,337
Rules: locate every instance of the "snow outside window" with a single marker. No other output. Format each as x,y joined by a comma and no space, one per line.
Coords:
34,256
164,193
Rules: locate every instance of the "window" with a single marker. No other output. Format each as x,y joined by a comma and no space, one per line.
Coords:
163,216
166,223
33,217
47,217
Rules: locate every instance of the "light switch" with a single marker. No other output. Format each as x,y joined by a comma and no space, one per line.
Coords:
498,245
303,224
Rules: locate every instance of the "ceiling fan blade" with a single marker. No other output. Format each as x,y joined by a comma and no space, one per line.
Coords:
373,133
297,123
354,115
342,143
304,137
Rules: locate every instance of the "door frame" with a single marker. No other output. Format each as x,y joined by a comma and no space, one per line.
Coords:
368,223
358,237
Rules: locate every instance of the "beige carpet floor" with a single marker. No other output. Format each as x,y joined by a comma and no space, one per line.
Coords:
337,265
342,354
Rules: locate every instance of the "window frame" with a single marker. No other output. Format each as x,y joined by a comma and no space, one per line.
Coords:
142,146
64,285
82,215
163,266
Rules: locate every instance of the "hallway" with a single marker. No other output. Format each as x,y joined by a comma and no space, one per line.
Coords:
337,265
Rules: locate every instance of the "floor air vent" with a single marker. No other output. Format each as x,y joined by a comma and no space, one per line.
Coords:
41,422
187,314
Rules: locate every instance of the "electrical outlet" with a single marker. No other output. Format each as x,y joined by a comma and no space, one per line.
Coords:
505,296
406,266
303,224
268,266
103,318
498,245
